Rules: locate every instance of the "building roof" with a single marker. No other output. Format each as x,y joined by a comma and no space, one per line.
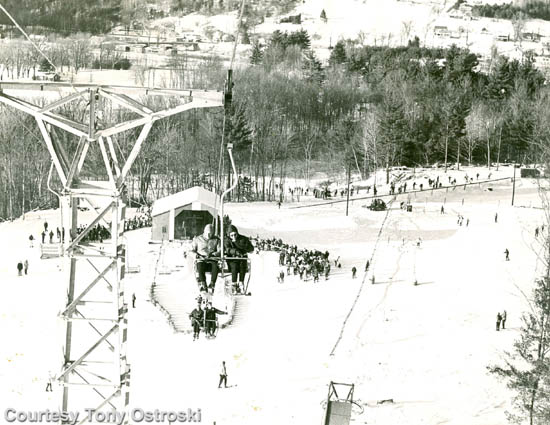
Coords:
195,194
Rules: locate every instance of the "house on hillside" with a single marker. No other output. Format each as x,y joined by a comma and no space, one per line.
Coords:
542,62
531,36
183,215
441,31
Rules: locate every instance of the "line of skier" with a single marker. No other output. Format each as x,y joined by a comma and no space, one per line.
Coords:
298,262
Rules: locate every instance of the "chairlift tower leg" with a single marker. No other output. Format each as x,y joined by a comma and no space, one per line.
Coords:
95,371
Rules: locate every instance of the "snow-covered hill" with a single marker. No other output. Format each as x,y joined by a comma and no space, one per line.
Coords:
426,346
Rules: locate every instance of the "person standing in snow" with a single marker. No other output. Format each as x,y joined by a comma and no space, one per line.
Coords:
31,240
353,272
223,376
26,266
499,319
503,315
51,377
496,217
19,268
507,253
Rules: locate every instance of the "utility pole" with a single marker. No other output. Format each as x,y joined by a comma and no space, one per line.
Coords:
347,196
514,185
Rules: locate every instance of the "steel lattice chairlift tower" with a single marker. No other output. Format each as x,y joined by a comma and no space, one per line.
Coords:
95,371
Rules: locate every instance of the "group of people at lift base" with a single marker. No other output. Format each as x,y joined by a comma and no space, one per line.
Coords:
298,262
207,250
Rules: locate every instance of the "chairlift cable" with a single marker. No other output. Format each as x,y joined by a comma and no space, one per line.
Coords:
239,21
34,44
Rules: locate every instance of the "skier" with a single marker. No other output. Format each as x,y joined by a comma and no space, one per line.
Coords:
210,314
26,266
31,240
45,226
133,300
353,272
51,377
206,250
43,236
442,210
19,268
536,233
223,376
327,269
503,319
237,246
367,266
507,253
51,236
316,275
197,317
496,217
499,319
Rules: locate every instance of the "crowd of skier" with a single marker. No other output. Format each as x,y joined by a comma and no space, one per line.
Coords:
139,221
305,263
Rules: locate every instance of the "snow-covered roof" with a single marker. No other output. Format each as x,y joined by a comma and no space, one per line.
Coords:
195,194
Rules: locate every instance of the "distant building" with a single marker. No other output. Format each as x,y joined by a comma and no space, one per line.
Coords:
531,36
503,37
183,215
137,48
122,48
441,31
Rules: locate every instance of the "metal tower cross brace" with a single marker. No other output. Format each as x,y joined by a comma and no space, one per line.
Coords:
95,372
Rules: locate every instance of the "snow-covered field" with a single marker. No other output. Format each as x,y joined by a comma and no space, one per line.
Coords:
426,347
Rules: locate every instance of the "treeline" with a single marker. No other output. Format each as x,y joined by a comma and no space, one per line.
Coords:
369,107
253,8
65,16
529,9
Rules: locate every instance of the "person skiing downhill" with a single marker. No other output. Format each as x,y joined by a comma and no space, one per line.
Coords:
223,376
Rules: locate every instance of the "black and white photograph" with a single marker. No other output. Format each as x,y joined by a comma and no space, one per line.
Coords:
275,212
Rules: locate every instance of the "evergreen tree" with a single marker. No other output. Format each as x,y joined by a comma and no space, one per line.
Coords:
338,54
299,38
278,39
257,54
313,70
